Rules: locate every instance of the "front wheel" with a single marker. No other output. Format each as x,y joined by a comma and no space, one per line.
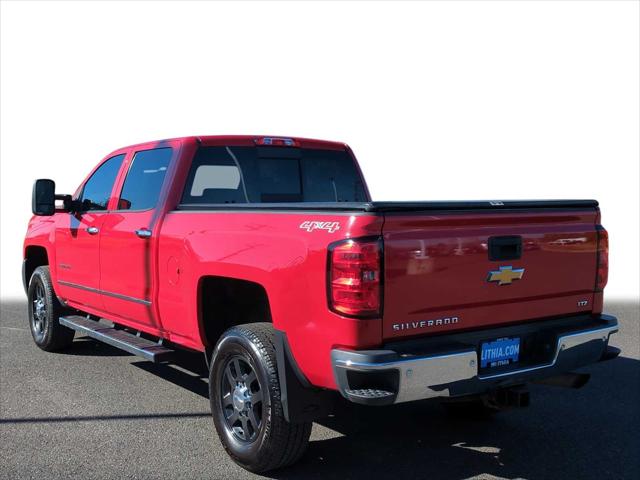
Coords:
244,392
44,311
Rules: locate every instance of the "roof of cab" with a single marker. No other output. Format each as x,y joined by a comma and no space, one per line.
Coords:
250,141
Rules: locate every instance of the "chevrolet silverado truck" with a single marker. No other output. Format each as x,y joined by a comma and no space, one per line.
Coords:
268,255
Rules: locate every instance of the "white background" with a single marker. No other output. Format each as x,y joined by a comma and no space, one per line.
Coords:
456,100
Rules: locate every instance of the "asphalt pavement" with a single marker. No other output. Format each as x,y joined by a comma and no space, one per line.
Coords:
96,412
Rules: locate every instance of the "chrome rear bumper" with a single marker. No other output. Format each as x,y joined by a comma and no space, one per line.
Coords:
389,376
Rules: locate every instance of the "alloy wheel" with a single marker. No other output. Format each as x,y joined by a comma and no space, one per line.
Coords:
242,399
39,312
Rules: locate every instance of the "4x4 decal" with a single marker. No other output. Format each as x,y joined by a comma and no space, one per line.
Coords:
310,226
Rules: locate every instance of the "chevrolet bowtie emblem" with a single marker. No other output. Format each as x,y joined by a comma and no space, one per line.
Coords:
505,275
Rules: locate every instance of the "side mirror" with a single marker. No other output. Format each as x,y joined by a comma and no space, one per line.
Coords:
43,197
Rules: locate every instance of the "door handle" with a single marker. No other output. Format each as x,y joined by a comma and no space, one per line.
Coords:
92,230
143,233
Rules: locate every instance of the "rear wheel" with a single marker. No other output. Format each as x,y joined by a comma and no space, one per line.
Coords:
44,311
244,392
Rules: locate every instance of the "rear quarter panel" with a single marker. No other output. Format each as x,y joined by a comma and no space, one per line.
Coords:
271,249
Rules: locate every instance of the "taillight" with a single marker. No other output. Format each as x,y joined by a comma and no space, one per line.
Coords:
602,274
354,284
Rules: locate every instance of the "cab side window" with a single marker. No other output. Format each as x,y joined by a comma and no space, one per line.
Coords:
97,190
144,180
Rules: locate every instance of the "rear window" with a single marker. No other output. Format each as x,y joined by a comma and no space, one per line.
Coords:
272,175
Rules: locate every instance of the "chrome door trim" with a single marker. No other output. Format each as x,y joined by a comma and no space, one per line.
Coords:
102,292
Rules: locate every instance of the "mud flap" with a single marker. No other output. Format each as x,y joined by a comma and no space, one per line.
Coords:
301,401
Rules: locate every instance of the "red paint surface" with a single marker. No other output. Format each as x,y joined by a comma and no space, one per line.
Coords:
435,265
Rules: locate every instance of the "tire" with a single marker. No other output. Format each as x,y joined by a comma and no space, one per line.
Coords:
244,393
44,311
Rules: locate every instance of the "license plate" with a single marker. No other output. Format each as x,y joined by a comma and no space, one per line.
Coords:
502,351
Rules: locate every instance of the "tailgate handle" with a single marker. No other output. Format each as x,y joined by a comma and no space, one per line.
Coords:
505,248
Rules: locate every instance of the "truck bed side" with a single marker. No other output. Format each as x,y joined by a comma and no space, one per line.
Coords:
283,252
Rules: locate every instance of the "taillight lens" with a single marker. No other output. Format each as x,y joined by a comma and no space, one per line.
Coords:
603,259
354,277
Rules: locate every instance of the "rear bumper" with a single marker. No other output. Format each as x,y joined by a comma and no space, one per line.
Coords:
448,365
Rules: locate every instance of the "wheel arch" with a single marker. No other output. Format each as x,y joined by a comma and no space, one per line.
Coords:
34,256
224,302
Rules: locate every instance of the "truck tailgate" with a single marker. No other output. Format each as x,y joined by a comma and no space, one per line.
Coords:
439,275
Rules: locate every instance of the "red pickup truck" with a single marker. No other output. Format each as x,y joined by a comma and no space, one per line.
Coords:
268,255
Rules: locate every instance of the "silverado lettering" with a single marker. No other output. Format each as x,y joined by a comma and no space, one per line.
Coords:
203,243
425,323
